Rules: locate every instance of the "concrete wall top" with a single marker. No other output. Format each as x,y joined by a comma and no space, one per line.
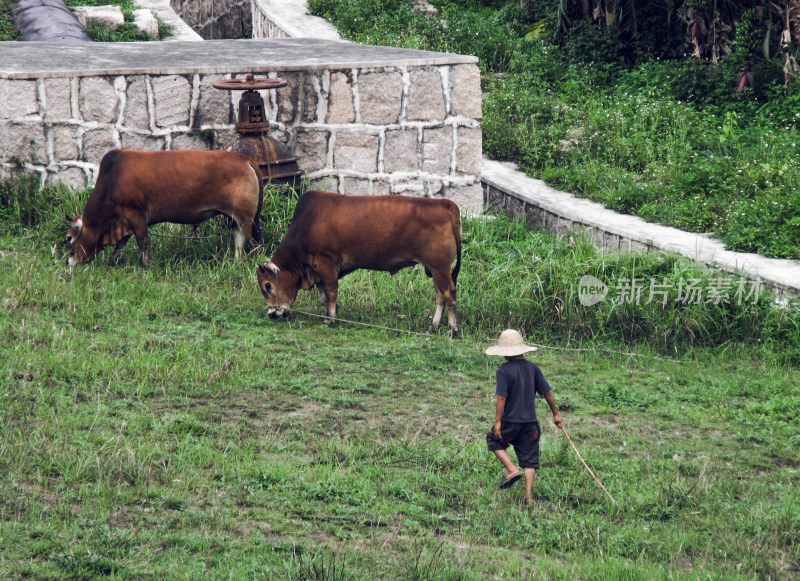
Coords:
780,273
293,18
180,30
27,60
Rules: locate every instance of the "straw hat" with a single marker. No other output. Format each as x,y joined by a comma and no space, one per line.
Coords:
510,344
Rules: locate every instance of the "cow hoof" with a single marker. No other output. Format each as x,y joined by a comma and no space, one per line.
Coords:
453,334
328,322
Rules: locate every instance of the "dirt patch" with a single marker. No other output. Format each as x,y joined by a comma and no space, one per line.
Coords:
254,411
783,462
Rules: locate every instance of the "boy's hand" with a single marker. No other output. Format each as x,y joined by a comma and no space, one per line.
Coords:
558,420
497,426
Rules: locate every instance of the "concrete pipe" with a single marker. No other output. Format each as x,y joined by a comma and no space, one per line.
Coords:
48,21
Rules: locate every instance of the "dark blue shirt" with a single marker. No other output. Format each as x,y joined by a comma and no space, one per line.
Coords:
519,381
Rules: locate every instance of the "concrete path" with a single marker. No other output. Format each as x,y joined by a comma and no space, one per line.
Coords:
777,273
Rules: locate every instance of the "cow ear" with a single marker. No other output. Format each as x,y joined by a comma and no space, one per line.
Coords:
75,223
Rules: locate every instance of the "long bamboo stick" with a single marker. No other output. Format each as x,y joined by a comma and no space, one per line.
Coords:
585,465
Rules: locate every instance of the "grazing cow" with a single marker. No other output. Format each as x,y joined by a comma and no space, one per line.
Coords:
137,188
332,235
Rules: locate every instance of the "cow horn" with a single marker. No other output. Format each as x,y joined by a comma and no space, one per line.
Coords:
273,268
269,266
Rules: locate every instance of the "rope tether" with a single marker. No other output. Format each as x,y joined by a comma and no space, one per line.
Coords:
553,347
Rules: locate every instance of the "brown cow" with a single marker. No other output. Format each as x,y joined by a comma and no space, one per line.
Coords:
332,235
137,188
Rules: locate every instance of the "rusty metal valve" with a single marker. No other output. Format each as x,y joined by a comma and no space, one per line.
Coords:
274,160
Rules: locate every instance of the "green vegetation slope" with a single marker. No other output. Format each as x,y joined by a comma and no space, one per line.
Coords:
627,118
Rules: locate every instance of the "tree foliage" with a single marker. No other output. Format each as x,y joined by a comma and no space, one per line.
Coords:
708,30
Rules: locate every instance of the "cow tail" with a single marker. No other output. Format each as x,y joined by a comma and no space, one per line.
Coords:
455,216
257,237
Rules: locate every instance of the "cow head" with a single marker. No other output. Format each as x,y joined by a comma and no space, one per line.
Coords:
279,288
81,241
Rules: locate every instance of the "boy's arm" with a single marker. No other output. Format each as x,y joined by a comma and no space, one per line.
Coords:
498,414
551,401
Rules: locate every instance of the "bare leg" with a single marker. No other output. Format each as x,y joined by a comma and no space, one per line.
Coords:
530,478
510,467
114,260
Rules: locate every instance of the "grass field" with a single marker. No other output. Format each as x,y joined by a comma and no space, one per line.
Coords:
156,424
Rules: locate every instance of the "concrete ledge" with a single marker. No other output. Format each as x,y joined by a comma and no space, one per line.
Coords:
162,9
543,207
289,18
26,60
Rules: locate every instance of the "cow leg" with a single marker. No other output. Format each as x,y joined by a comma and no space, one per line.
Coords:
437,316
452,319
114,260
329,281
447,290
331,290
239,239
140,231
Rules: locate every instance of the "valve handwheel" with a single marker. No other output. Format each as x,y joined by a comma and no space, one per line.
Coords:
249,83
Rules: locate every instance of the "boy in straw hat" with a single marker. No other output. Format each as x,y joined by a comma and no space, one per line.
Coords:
518,382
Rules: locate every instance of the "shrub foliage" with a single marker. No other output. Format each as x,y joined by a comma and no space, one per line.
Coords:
623,113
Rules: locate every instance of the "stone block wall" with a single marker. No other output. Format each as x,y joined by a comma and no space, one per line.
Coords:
396,129
266,27
62,127
216,19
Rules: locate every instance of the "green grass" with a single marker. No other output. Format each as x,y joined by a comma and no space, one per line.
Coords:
127,32
7,29
668,140
528,280
156,424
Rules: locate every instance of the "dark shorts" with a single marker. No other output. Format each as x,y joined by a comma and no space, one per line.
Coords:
523,437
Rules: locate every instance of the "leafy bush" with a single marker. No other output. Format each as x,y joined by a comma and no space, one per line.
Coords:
7,29
21,204
604,117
